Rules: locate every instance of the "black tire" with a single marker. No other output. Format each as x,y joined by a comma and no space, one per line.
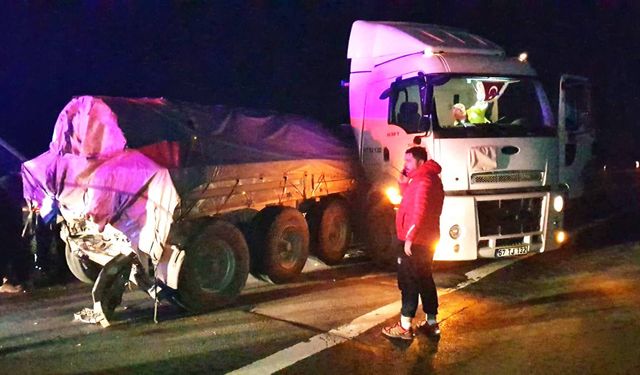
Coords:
215,268
83,269
382,243
112,282
280,244
330,229
116,290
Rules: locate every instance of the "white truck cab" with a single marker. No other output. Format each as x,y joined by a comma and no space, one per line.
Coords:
484,117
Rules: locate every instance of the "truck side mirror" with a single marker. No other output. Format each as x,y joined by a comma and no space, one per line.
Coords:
385,94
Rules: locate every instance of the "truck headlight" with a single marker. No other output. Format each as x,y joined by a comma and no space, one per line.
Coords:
454,231
393,194
558,203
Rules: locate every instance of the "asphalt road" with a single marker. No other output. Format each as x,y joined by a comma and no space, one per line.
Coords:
573,311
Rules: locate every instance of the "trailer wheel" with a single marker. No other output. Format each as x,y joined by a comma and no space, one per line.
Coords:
215,268
381,236
280,245
83,269
330,229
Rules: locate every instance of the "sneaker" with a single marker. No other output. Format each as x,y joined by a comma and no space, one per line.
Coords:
432,330
397,332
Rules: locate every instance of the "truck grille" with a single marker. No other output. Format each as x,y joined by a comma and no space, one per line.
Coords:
506,176
509,216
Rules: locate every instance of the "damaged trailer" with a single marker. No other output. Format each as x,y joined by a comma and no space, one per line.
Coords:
202,195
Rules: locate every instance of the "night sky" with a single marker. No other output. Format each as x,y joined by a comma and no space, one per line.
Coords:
287,57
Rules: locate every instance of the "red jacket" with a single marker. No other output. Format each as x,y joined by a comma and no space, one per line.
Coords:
418,218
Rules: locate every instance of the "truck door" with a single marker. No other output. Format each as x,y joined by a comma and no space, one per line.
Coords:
575,132
406,119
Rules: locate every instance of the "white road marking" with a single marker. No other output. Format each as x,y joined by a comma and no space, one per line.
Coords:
288,356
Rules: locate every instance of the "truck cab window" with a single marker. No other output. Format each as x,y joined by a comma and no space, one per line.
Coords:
405,106
577,107
488,106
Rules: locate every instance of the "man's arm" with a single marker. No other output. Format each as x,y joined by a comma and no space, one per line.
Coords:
420,211
403,181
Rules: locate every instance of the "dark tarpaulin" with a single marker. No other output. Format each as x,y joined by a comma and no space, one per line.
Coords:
217,134
192,137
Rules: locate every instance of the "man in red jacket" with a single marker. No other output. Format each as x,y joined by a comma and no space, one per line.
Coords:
418,226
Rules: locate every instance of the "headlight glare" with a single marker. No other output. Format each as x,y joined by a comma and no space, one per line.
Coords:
561,236
558,203
393,194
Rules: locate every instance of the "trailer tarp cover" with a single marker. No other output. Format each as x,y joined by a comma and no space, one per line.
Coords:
124,161
208,135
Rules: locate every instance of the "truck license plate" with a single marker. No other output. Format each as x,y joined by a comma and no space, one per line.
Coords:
512,250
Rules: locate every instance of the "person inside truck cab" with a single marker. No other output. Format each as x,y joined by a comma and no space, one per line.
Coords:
459,114
478,110
487,92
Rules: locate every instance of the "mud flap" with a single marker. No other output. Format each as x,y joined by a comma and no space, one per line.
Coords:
168,270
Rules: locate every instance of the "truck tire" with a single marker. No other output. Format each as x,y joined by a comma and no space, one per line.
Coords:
280,244
215,268
115,292
330,228
83,269
381,237
111,283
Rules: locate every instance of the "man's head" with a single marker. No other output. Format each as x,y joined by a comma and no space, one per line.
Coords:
414,158
459,112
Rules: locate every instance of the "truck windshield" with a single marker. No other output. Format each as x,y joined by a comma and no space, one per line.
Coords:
482,106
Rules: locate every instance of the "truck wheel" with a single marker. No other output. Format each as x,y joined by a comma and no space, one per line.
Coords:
381,236
215,268
280,243
83,269
115,291
112,282
330,231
